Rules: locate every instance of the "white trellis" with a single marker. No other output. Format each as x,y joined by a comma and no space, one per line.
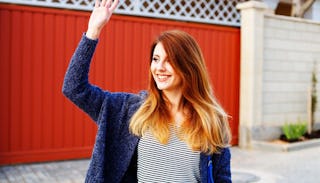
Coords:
207,11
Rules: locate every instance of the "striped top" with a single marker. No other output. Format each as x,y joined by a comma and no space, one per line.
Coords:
172,162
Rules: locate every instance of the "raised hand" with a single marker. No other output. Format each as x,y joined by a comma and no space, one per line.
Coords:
100,15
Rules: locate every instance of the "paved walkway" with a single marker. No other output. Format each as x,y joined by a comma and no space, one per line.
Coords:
248,166
54,172
301,166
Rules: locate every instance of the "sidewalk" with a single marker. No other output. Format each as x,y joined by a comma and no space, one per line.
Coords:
301,166
53,172
247,166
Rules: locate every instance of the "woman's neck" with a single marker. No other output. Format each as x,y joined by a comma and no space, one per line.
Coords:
174,99
175,106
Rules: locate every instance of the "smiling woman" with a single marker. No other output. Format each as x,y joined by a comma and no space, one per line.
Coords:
180,105
181,93
177,124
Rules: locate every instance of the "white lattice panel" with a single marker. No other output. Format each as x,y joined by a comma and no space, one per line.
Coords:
207,11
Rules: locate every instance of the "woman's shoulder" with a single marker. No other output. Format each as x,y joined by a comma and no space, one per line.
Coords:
141,95
126,98
121,104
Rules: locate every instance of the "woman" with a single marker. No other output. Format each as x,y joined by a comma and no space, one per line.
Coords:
167,134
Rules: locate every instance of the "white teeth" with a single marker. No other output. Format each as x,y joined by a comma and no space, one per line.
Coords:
162,77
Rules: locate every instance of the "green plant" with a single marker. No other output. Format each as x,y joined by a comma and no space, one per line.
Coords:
294,131
314,99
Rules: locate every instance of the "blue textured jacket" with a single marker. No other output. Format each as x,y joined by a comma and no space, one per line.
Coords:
114,154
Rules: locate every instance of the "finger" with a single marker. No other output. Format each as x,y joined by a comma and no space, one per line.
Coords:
96,4
114,5
103,3
108,4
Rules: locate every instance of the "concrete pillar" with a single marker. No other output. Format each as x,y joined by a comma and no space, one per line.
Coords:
252,18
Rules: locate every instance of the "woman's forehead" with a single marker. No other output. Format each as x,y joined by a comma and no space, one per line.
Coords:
159,50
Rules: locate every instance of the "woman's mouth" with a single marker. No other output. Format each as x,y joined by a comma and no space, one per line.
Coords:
162,78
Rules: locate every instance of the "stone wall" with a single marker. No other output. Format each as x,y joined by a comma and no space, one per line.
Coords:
291,51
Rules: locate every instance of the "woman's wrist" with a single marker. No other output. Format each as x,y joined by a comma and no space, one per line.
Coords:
93,33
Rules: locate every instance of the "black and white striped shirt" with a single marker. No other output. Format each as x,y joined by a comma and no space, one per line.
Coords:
173,162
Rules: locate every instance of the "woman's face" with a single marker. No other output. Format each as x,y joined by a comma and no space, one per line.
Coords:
162,71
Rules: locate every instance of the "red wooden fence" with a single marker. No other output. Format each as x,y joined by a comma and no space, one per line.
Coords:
38,124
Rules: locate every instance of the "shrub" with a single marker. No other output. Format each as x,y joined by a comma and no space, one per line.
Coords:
314,98
294,131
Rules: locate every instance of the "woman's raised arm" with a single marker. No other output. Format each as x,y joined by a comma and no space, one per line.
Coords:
76,84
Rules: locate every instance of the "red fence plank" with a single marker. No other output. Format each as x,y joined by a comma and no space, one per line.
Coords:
37,121
26,98
5,24
58,103
16,80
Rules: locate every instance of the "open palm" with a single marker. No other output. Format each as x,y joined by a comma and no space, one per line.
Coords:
100,15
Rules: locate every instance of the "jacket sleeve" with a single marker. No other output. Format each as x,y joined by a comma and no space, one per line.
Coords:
221,170
76,86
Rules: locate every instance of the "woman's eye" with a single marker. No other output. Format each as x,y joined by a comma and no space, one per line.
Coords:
155,59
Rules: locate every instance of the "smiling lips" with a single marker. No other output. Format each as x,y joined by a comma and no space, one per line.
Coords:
162,78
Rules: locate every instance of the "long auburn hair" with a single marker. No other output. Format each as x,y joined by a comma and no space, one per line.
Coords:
206,126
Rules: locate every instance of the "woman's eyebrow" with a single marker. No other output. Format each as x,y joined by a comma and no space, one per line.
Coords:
156,55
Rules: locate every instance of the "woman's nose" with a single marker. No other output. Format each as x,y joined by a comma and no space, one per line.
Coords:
161,65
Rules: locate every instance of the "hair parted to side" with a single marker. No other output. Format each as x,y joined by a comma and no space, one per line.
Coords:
206,128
